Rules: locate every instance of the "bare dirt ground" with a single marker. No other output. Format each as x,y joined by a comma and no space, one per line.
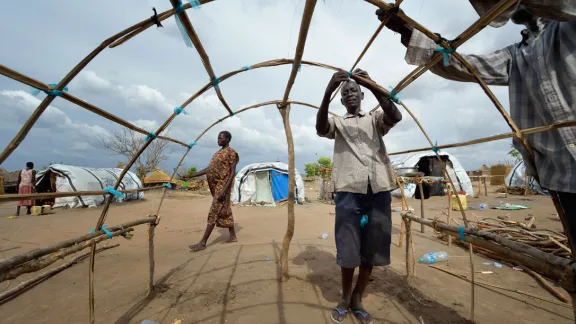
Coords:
237,283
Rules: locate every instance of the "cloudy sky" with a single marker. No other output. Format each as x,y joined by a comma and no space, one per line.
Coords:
145,78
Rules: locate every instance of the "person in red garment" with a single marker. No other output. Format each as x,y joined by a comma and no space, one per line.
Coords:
220,175
26,185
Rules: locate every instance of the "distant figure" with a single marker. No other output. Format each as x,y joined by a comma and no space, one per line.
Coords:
26,185
363,177
220,175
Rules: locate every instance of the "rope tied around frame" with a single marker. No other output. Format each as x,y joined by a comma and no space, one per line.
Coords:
151,136
155,18
50,92
215,81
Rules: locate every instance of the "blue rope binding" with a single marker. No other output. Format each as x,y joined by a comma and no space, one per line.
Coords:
50,92
461,233
105,229
195,4
445,53
394,97
114,192
435,148
179,110
167,185
180,8
215,81
350,73
191,144
151,135
246,67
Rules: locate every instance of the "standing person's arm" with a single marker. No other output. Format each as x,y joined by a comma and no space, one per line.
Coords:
200,173
391,115
493,68
19,180
226,189
323,125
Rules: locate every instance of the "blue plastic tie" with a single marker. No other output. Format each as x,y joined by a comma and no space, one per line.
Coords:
298,68
232,114
179,110
180,8
50,92
363,221
246,67
195,4
105,229
191,144
114,192
461,233
435,148
150,136
167,185
445,53
350,73
215,81
394,97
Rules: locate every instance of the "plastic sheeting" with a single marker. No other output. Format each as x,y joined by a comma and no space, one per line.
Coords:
516,178
73,178
456,172
245,189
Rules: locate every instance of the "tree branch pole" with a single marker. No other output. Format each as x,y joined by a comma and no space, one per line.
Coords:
285,113
448,220
151,228
404,208
409,250
42,263
421,204
8,295
38,253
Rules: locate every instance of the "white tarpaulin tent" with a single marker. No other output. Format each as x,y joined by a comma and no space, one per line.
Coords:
454,168
264,184
516,178
67,178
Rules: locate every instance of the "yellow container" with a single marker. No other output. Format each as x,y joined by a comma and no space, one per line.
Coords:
36,210
455,205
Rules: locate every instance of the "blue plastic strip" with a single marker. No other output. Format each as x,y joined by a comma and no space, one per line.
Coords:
195,4
150,136
105,229
50,92
232,114
180,8
350,73
178,110
394,97
461,233
191,144
167,185
215,81
364,221
246,67
445,53
435,148
114,192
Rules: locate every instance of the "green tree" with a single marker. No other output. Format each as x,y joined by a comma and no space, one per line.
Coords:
312,169
514,153
192,171
325,162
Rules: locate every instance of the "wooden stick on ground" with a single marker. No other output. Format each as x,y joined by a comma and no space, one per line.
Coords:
487,284
8,295
546,284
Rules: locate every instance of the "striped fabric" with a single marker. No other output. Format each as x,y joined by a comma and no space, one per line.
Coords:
360,156
558,10
541,76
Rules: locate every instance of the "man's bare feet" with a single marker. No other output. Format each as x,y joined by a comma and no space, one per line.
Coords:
198,247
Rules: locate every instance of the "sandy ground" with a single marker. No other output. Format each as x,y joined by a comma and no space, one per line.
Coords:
237,283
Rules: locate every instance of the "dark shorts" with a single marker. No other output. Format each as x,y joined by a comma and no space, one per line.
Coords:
369,246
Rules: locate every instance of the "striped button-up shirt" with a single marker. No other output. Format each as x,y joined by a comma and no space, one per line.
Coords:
557,10
541,76
360,156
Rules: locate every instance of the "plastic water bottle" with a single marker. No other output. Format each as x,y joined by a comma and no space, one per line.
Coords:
483,206
434,257
324,236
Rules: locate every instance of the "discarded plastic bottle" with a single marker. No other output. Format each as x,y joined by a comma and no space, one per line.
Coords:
483,206
324,236
434,257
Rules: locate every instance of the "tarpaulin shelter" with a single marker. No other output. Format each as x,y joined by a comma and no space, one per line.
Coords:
265,184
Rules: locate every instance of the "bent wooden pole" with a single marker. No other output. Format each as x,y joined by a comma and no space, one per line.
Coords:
285,113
